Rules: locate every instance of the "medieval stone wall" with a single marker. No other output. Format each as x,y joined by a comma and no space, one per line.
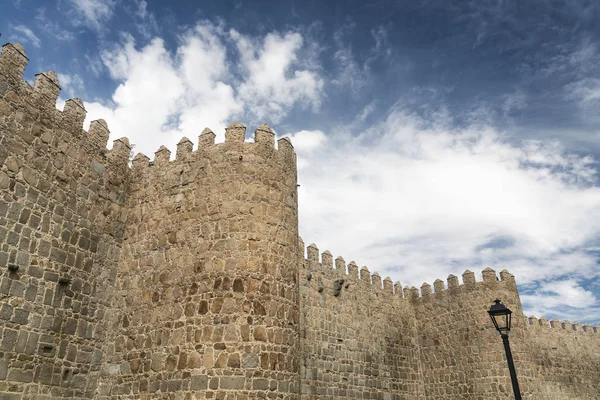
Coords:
184,279
358,338
564,359
61,198
461,352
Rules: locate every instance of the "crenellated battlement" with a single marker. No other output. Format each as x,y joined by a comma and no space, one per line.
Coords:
543,323
324,263
469,283
37,105
234,148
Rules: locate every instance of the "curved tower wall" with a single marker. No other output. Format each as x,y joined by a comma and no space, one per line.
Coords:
207,298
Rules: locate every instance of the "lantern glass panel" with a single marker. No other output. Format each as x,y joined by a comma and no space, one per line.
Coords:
503,322
501,317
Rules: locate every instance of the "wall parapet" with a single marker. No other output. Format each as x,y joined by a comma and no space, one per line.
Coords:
323,262
565,325
43,95
469,283
338,269
235,149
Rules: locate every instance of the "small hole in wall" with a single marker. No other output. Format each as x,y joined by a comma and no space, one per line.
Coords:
47,350
340,340
65,375
64,280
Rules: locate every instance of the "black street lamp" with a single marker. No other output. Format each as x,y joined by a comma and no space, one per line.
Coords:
501,317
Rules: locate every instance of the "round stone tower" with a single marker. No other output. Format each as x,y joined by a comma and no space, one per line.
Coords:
207,281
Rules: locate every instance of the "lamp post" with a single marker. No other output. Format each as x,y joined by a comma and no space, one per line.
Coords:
501,317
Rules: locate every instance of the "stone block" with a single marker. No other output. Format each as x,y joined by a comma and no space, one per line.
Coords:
232,382
198,382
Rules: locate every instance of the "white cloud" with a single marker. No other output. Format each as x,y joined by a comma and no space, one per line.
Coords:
271,83
72,85
418,200
564,299
308,140
93,13
21,33
305,141
147,97
163,97
204,68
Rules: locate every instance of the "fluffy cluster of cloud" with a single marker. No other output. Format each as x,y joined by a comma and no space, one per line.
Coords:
164,96
418,199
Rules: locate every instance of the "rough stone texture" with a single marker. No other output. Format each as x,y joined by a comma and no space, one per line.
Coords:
61,228
358,343
185,279
207,277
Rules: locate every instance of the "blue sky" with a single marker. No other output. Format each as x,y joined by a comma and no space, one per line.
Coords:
432,137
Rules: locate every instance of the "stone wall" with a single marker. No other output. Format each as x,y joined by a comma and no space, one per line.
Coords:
207,302
564,359
61,198
358,338
461,353
463,356
184,279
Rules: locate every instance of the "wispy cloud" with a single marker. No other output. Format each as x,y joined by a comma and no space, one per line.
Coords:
52,28
21,33
514,102
94,64
145,20
564,299
366,111
349,72
71,84
92,13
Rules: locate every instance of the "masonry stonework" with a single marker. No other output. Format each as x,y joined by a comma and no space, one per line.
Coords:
186,279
